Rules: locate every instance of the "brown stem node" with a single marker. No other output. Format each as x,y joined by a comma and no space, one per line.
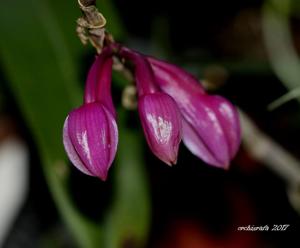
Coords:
86,3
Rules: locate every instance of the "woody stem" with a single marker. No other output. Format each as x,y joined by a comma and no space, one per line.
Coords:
87,3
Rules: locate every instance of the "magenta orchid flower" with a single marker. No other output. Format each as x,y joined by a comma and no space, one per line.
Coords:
159,114
172,106
211,127
90,132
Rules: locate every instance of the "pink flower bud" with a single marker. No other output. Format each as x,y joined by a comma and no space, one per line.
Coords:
90,138
211,128
90,133
158,112
161,123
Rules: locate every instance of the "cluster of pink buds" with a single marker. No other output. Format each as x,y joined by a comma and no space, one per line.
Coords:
172,105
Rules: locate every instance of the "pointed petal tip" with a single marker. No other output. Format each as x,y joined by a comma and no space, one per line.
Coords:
103,177
170,162
174,162
225,165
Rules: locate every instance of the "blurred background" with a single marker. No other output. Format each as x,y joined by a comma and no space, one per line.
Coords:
247,51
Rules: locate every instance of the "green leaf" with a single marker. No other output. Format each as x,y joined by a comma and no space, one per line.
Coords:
39,52
37,62
283,56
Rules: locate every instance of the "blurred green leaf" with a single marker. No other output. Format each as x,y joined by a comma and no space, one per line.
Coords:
36,58
39,50
278,40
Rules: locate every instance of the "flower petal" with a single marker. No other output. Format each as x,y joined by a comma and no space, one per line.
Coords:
93,132
229,120
161,122
211,128
98,83
71,152
173,80
201,116
196,146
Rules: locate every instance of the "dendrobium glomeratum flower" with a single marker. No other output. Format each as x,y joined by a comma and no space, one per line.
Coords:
90,132
159,114
172,105
211,128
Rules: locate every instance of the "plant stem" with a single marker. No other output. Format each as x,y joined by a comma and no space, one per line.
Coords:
87,3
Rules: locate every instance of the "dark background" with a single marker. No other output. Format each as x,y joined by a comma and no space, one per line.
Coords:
192,203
